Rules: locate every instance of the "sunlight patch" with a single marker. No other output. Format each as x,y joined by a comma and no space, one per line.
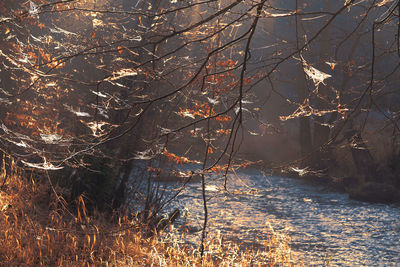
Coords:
314,74
42,166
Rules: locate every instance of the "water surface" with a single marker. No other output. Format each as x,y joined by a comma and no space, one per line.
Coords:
320,223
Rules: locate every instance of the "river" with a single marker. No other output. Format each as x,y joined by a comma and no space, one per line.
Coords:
322,225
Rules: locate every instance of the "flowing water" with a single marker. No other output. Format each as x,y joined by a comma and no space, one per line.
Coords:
321,224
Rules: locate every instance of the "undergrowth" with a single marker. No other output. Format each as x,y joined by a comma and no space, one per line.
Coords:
36,229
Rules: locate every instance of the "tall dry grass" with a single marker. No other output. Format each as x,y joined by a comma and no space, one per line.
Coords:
36,229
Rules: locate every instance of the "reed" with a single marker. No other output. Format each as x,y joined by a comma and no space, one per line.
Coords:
36,229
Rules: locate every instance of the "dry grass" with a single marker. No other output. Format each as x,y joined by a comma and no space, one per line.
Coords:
36,230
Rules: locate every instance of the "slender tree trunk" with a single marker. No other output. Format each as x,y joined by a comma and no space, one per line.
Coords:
305,138
322,160
363,160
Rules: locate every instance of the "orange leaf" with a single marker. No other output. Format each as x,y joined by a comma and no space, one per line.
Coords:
120,49
93,34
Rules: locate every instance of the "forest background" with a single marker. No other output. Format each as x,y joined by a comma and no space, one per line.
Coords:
102,99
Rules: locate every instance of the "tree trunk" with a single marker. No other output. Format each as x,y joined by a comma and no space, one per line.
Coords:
305,138
363,160
323,158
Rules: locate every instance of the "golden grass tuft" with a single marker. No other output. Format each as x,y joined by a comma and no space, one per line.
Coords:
37,230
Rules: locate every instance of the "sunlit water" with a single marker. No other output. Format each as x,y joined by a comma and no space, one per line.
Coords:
322,225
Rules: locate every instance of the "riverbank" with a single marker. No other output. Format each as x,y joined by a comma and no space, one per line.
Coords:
37,229
372,192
